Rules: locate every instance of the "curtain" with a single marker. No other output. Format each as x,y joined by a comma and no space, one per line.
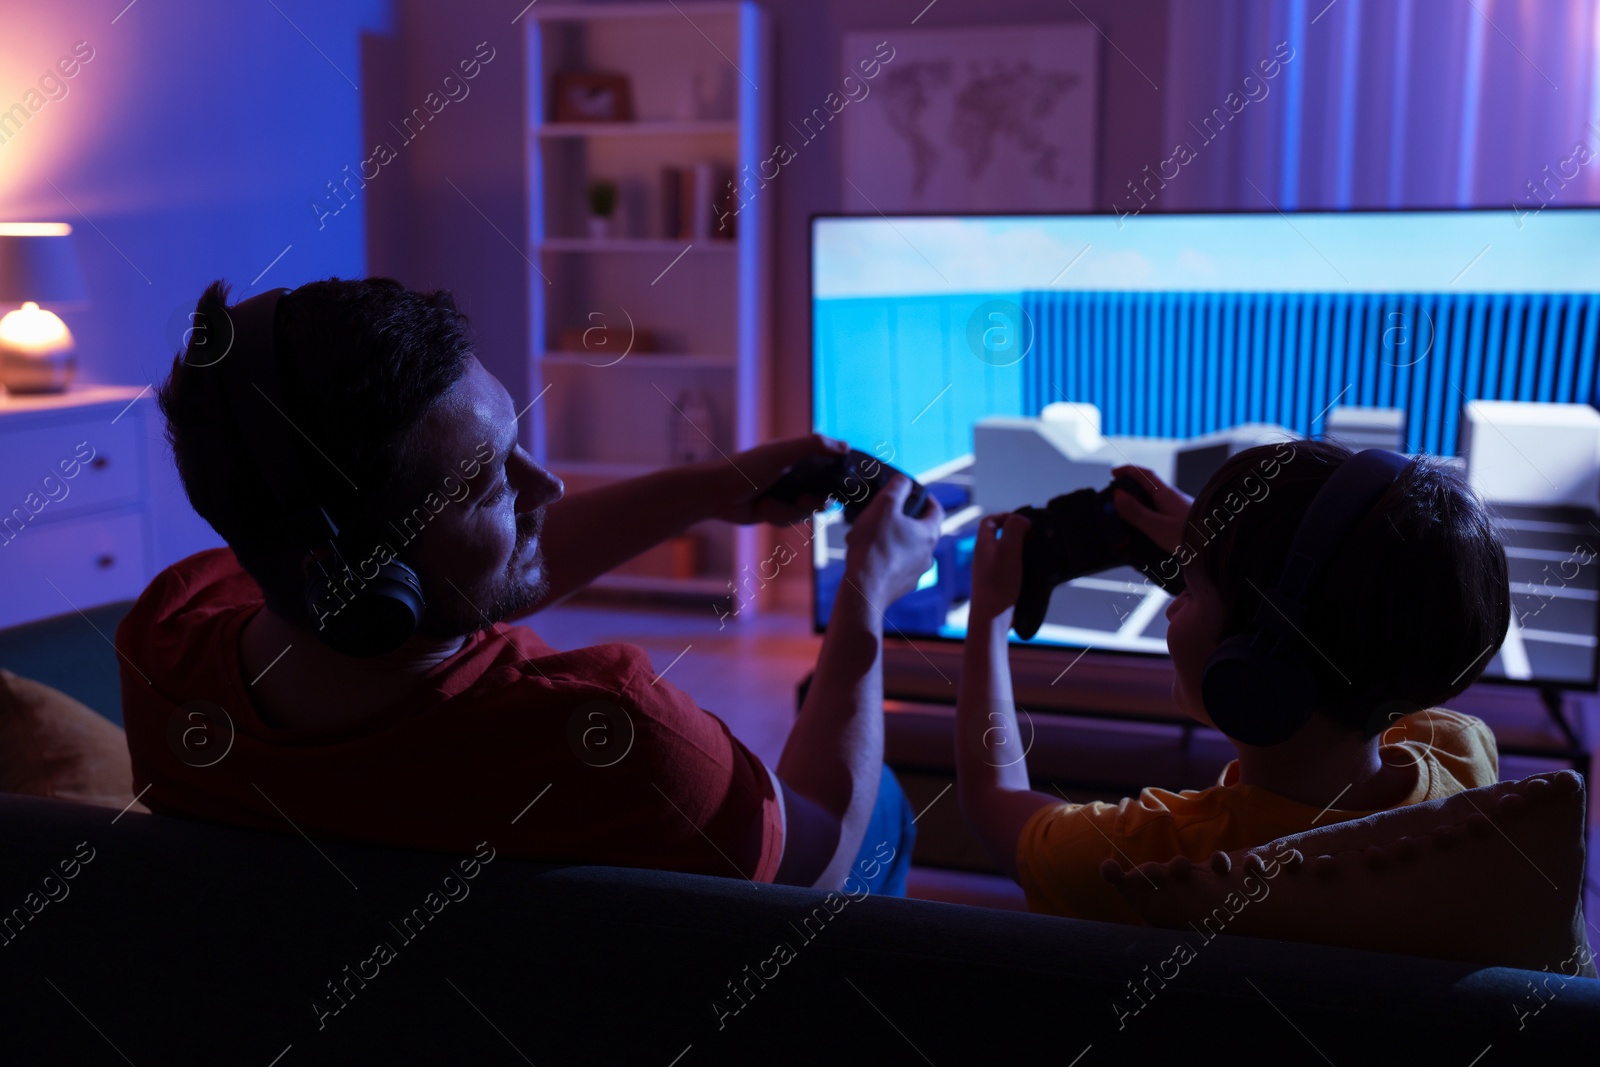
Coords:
1311,104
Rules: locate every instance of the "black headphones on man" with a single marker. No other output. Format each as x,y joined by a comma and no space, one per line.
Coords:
353,614
1258,686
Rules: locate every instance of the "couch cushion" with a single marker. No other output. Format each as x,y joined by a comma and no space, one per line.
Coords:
53,746
1492,875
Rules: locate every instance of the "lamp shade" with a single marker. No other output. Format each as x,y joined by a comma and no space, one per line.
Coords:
39,262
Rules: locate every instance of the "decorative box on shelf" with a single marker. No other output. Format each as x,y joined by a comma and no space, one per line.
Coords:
75,522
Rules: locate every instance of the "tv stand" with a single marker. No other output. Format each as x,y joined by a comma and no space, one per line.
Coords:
1554,698
1105,685
1044,679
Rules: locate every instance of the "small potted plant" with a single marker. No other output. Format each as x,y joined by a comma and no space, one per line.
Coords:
602,203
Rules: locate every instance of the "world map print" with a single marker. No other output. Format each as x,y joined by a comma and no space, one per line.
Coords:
1013,101
994,119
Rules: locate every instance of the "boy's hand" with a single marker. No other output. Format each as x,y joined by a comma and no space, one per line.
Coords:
997,567
886,551
1164,523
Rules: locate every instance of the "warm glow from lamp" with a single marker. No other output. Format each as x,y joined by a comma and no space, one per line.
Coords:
37,267
35,229
33,331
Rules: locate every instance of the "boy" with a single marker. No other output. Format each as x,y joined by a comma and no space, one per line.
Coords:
1408,611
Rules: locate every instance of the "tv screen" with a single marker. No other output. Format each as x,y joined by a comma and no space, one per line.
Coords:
1004,360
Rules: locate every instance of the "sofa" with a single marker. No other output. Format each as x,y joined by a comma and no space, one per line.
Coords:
176,941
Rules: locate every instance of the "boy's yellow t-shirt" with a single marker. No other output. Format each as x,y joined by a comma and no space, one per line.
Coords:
1062,846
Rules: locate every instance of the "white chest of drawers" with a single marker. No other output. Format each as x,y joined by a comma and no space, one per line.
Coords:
75,523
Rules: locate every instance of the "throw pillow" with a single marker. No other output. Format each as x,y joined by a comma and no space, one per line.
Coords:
53,746
1492,875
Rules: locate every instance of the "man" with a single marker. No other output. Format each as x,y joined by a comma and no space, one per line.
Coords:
238,710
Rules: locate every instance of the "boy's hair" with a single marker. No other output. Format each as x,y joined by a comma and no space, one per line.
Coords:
1410,607
360,363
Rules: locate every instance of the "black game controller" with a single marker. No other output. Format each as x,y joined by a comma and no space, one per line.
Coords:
1077,534
852,479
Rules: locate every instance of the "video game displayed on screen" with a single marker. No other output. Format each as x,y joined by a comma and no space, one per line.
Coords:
1005,360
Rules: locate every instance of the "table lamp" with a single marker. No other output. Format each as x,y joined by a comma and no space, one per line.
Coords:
38,270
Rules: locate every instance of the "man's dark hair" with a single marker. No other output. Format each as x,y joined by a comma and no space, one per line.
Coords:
1412,605
360,363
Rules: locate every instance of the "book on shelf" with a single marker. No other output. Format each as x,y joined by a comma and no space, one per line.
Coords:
672,201
698,203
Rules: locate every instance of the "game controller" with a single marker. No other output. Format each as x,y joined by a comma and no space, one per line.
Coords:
1076,534
853,479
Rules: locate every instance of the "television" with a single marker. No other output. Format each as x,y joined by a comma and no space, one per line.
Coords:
1005,359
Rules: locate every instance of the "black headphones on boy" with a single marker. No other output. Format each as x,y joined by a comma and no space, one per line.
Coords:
1258,686
356,615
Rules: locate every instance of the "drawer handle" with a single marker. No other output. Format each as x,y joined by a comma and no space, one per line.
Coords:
100,463
105,561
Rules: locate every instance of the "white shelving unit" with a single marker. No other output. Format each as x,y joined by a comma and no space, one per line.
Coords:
696,72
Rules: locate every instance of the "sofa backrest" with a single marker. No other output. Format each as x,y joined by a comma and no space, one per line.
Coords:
173,936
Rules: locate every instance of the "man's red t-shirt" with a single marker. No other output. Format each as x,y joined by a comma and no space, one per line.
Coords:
626,769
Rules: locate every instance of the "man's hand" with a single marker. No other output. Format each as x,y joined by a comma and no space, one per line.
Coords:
1164,523
997,567
749,474
886,551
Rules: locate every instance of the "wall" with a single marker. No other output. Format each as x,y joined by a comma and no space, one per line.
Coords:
189,148
455,214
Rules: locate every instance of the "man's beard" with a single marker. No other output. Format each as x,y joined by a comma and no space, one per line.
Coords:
511,595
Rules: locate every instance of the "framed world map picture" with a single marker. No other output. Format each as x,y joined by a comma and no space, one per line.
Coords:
974,119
